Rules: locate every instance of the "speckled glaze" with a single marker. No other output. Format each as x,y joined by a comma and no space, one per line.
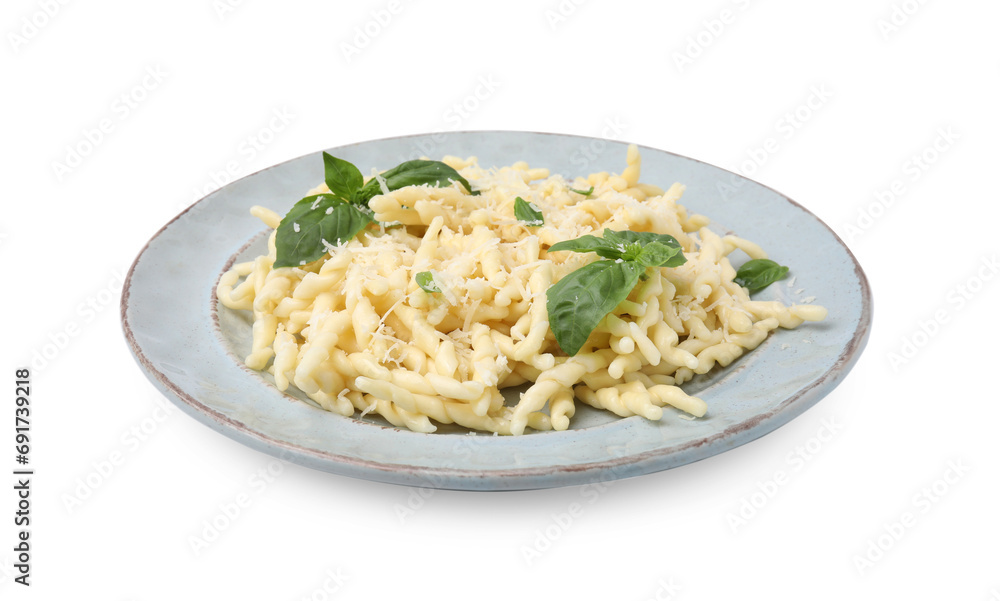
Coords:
190,347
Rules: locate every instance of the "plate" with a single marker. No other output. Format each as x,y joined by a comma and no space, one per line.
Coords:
190,347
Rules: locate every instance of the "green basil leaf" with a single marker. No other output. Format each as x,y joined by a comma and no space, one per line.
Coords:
581,299
591,244
414,173
633,251
642,238
342,177
656,257
656,254
425,280
527,212
583,192
756,274
313,220
663,250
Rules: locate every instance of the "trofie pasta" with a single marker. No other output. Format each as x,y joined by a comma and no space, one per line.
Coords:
359,332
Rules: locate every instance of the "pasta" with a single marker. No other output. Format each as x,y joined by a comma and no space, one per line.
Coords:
356,332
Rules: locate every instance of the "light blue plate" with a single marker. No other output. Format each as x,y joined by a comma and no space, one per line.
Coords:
191,349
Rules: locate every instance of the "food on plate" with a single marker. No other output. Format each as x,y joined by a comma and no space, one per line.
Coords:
423,291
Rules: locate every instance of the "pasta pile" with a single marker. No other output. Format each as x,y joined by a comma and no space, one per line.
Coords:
355,332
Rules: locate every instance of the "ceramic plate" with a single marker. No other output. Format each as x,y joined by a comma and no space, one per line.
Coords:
190,347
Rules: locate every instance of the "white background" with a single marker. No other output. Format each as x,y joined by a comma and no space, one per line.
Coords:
681,76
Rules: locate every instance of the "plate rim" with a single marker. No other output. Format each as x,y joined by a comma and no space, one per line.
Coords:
759,424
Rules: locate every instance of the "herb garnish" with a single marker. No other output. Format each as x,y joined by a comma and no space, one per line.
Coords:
425,280
757,274
317,222
580,300
527,212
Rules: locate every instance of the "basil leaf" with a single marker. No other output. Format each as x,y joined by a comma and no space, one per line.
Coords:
583,244
642,238
527,212
650,249
656,254
581,299
583,192
342,177
756,274
591,244
425,280
314,219
650,244
414,173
